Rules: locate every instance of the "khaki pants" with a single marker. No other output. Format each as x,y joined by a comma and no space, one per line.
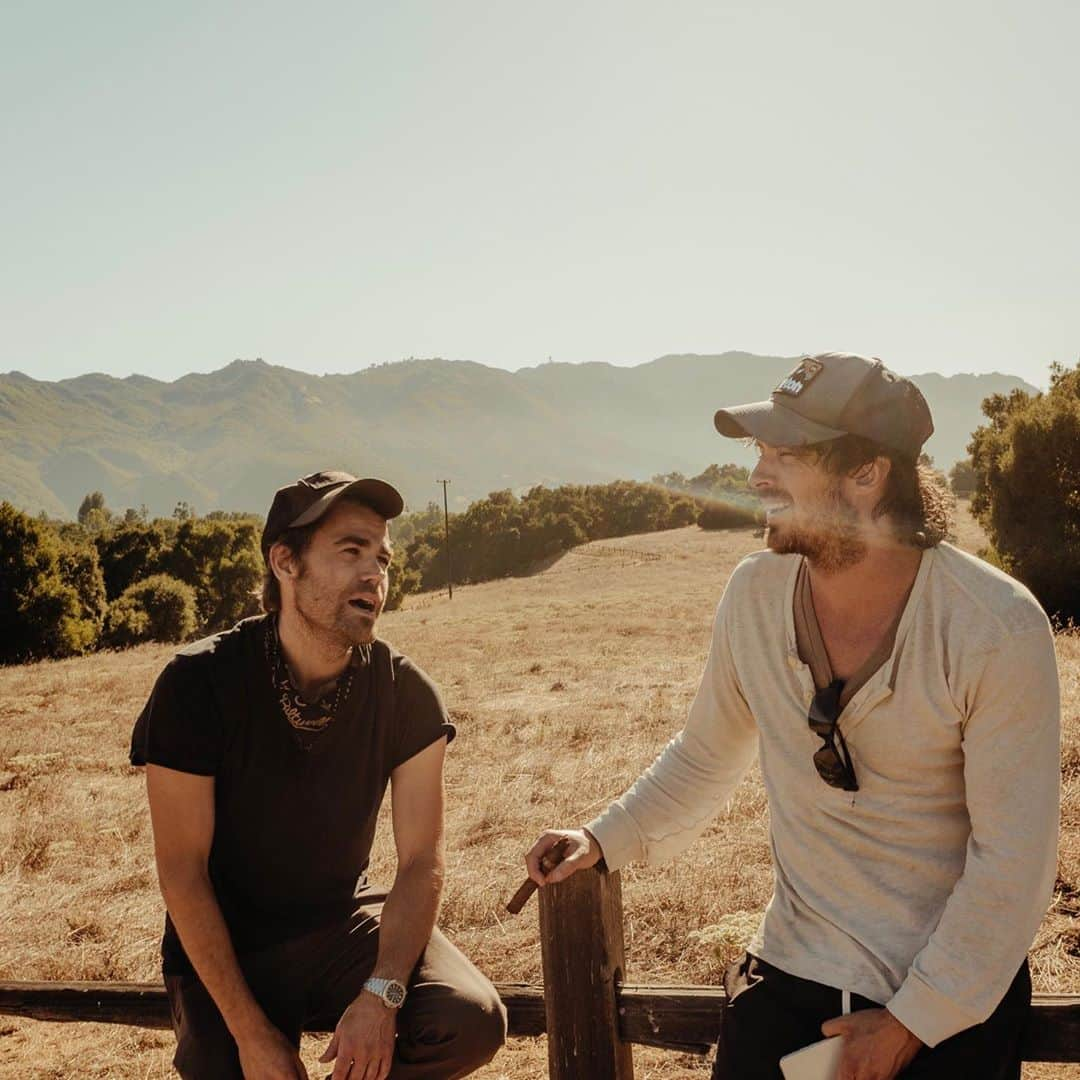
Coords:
452,1021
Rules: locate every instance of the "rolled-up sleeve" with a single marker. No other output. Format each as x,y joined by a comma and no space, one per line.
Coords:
1011,745
670,805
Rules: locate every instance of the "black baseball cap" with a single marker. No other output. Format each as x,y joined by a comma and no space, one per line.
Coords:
311,496
835,394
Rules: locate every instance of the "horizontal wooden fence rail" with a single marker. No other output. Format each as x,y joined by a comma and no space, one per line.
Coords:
670,1017
590,1014
145,1004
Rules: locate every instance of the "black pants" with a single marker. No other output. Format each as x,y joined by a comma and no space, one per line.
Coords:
452,1021
771,1013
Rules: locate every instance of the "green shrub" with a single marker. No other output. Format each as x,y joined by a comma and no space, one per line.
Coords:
158,608
722,515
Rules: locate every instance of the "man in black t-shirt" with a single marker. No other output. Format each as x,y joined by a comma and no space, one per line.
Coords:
268,751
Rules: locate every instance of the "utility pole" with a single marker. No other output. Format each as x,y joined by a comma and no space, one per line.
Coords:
446,522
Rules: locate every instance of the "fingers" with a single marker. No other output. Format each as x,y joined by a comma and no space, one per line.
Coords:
356,1065
345,1067
547,841
331,1050
570,865
382,1070
378,1068
838,1025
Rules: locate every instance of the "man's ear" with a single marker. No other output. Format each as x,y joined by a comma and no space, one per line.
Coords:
283,563
872,475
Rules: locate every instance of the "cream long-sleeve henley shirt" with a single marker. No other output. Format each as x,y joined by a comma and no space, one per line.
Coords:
923,889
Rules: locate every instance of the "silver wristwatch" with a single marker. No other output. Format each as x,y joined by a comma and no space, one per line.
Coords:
389,991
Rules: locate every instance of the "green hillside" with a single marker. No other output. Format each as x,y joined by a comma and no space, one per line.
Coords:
229,438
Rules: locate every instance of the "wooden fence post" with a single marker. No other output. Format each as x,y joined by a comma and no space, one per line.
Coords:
581,944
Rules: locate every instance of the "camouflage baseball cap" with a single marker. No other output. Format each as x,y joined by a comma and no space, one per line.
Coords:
311,496
835,394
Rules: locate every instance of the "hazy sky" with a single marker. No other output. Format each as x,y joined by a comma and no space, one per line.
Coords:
336,184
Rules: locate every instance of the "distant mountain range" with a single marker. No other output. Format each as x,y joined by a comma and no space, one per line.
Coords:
228,439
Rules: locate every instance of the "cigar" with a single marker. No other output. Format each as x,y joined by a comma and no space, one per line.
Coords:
551,858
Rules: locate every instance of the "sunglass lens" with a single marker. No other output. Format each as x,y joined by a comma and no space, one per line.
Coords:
829,766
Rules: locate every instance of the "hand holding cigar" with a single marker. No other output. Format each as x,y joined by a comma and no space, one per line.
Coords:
564,850
550,859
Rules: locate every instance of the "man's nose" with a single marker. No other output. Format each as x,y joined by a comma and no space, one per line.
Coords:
759,477
372,571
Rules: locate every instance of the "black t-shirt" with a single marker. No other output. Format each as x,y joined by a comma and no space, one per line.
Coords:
293,827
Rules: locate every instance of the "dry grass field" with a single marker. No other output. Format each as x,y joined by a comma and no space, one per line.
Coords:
564,685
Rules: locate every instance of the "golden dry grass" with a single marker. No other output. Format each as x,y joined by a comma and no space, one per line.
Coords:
564,686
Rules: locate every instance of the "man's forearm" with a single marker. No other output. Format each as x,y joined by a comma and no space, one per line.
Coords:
408,917
194,909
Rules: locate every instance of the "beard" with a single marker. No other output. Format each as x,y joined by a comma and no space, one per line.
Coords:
332,619
827,534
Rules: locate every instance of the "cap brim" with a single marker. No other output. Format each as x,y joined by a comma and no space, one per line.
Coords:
384,499
773,424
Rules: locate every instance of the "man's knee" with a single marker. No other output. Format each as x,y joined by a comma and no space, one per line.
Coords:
465,1028
481,1025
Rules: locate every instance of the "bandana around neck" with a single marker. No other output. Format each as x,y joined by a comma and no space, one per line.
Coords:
308,718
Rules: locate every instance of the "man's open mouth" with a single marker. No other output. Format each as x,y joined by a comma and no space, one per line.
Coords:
774,507
362,603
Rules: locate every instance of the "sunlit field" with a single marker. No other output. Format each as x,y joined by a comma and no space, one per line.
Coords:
564,686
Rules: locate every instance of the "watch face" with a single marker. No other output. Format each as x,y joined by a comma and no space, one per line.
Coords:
394,994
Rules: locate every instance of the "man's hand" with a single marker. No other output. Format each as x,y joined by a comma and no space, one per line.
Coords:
363,1041
876,1045
582,853
270,1056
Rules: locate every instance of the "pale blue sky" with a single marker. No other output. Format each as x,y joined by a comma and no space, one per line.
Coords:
336,184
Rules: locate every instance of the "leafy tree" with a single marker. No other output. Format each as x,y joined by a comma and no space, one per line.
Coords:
40,614
404,579
673,481
717,479
1027,498
963,479
129,553
222,562
81,569
95,500
136,517
502,534
233,515
158,608
405,528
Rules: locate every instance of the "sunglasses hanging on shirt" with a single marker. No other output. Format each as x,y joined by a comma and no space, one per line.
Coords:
832,761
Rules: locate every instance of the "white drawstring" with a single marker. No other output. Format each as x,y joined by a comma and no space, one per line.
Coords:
845,1002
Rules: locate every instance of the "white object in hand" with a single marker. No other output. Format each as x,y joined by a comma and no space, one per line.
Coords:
818,1061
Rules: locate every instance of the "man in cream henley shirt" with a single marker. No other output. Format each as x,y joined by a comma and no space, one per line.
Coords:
918,882
923,889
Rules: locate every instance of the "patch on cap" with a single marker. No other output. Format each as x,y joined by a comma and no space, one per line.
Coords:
319,480
808,370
